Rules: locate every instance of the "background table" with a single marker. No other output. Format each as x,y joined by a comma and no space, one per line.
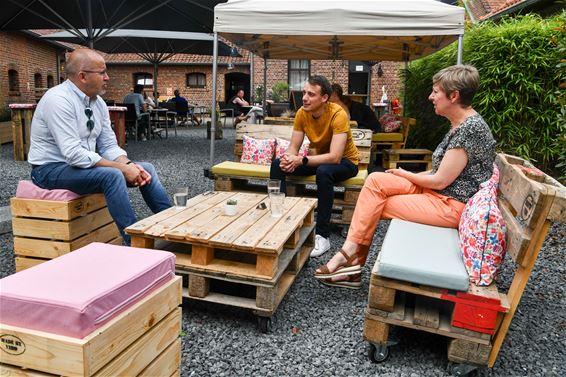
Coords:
118,119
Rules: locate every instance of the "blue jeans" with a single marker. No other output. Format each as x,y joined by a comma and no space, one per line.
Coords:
326,176
110,182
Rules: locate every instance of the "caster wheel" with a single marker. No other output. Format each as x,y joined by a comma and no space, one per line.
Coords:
264,324
378,353
457,370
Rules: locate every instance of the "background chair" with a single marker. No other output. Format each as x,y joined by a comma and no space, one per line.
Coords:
226,110
132,120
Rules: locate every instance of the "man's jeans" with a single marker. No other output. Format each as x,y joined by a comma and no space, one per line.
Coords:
109,181
326,176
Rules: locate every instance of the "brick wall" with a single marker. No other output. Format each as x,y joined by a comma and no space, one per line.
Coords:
28,57
174,76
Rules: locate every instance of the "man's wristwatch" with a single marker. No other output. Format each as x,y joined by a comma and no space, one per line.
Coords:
305,160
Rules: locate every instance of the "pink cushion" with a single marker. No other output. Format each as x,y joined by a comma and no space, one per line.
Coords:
27,190
389,123
257,151
482,233
78,292
283,144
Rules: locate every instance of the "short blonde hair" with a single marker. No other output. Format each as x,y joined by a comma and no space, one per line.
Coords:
463,78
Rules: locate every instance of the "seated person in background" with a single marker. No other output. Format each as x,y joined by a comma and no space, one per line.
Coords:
74,148
242,105
189,114
148,100
359,112
461,162
326,126
136,98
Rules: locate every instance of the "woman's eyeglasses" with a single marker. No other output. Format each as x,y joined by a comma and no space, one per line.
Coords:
89,122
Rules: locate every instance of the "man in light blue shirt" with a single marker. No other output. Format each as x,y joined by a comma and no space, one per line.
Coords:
73,146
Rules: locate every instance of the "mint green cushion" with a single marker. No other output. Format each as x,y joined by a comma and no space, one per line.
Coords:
422,254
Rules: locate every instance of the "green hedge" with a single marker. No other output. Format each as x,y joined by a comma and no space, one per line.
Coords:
519,97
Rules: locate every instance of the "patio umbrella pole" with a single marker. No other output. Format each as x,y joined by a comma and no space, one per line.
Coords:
460,49
155,83
265,83
252,88
213,114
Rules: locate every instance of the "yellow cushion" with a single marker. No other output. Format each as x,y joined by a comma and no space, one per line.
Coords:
239,169
386,137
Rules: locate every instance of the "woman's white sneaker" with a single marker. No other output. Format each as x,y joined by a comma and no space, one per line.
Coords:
321,246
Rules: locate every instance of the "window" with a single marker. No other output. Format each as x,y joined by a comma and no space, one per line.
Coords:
196,80
13,81
299,72
50,81
143,78
38,80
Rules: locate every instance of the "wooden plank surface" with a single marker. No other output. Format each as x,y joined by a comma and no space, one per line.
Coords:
167,363
56,210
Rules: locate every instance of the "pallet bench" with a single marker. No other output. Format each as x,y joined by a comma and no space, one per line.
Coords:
46,229
391,140
393,157
475,322
248,260
237,176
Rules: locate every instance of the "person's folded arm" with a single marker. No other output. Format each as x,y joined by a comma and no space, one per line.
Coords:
334,155
451,166
62,123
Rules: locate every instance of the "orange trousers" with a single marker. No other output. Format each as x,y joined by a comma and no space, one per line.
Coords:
387,196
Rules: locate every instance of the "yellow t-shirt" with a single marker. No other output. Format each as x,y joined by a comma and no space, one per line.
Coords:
333,121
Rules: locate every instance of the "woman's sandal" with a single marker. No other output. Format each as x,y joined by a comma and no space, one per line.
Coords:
352,282
344,269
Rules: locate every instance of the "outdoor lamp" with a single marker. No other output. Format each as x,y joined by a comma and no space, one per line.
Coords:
230,66
234,52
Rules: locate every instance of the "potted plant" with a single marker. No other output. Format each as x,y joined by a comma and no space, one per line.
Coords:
258,98
231,207
280,98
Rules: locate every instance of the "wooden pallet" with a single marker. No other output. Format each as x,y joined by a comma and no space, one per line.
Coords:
528,207
142,340
344,200
251,248
46,229
393,157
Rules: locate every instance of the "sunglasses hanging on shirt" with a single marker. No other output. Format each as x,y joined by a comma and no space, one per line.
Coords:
89,122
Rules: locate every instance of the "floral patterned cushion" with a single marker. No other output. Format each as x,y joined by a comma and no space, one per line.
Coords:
389,123
283,144
482,233
257,151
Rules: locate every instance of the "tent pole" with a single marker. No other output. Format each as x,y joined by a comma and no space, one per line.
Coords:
460,48
252,89
405,90
264,83
213,114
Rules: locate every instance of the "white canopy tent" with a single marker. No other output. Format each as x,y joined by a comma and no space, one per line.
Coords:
399,30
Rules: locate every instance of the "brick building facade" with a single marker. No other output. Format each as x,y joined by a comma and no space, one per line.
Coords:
173,75
27,67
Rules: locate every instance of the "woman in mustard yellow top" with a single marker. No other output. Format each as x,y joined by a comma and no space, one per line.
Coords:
327,127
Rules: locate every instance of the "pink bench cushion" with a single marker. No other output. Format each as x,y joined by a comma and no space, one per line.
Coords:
27,190
78,292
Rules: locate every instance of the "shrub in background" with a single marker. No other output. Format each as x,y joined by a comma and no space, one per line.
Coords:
520,76
280,92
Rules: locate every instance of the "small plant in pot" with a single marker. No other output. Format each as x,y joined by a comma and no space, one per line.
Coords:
231,207
280,97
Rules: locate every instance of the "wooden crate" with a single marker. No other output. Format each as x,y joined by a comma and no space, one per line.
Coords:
46,229
22,115
142,340
393,157
483,314
252,249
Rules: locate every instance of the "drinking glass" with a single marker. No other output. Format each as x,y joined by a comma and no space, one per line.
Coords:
276,203
273,185
180,197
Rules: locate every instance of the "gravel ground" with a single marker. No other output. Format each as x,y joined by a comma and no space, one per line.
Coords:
317,330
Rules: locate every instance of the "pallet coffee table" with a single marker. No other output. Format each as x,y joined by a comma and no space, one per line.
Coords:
248,260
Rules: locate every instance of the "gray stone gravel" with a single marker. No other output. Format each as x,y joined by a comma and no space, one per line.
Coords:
317,330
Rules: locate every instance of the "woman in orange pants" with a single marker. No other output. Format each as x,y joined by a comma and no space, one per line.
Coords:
462,161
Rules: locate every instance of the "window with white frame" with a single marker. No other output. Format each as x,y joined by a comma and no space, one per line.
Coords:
299,72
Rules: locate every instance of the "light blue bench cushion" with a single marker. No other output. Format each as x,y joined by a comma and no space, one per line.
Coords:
422,254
